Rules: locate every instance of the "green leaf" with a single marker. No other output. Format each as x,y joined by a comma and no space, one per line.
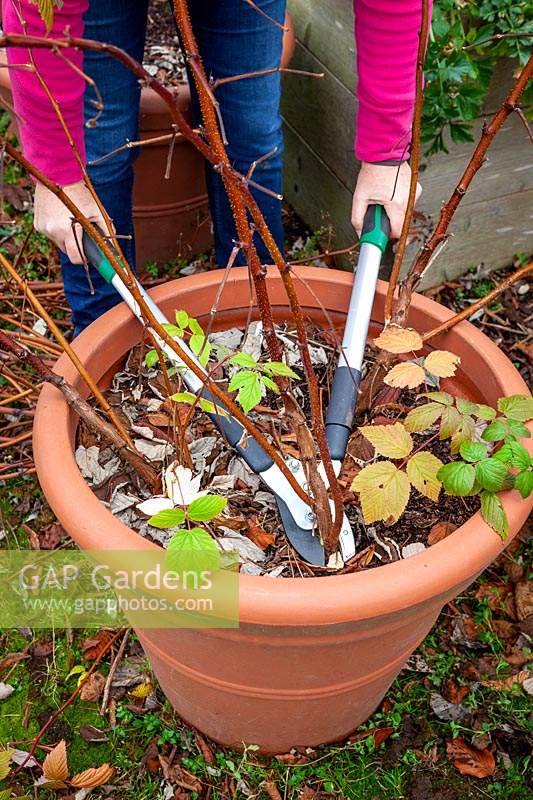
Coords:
495,432
465,406
77,670
514,455
279,368
5,794
491,474
206,405
524,482
518,429
206,508
196,342
517,406
458,478
423,417
195,327
169,518
244,360
151,358
485,412
173,330
182,319
493,513
205,352
443,398
192,551
472,451
248,385
270,384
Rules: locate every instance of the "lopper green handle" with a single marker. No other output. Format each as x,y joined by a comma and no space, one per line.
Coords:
95,257
376,227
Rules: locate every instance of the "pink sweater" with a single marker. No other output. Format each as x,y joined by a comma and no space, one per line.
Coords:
386,34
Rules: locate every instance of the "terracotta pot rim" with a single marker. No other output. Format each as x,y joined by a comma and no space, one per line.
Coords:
291,601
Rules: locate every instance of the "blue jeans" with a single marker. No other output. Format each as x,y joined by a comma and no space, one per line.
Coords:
233,38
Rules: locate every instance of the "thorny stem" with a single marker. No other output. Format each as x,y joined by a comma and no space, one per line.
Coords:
83,409
222,162
239,202
39,308
415,161
123,269
245,75
523,272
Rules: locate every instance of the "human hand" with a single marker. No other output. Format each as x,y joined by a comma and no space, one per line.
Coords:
386,185
54,220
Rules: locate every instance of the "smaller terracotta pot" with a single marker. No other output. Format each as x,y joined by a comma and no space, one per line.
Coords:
171,216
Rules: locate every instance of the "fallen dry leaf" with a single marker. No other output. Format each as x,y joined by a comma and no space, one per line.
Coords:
526,349
93,687
206,751
93,647
55,767
504,630
271,790
259,535
93,777
455,693
440,531
92,734
524,599
499,597
468,760
511,683
50,537
10,659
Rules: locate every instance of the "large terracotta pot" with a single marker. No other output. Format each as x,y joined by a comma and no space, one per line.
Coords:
312,658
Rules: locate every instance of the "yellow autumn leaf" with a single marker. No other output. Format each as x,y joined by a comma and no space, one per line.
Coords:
422,471
383,491
5,761
395,339
93,777
55,768
142,690
391,441
442,363
421,418
405,375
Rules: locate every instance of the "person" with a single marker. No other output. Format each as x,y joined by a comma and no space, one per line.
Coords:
233,38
